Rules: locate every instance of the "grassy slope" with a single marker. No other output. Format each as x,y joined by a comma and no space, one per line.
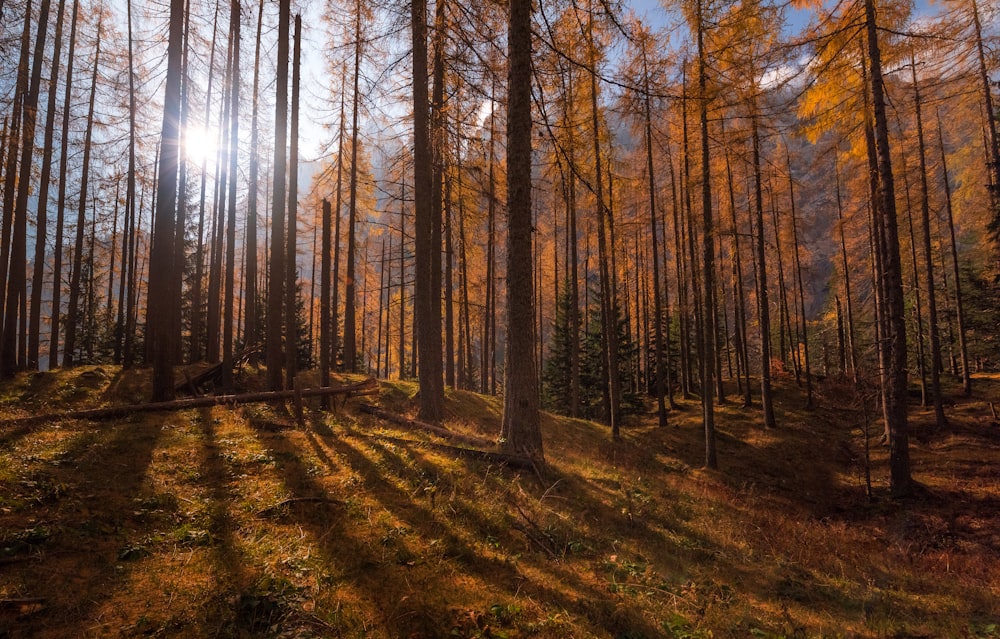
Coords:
235,523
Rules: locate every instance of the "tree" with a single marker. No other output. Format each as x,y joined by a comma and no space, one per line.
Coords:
163,316
520,429
276,276
427,305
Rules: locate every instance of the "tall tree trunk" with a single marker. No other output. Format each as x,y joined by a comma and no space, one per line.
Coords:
708,253
74,289
686,249
11,181
763,305
229,303
489,308
991,128
959,307
438,198
402,280
851,347
915,285
427,304
197,316
41,224
350,291
609,314
740,317
895,391
276,276
449,286
804,327
251,335
291,256
163,311
324,301
126,292
335,302
215,275
659,361
520,428
925,216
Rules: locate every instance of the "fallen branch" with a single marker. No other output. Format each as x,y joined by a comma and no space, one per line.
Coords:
537,528
367,387
431,428
22,601
514,461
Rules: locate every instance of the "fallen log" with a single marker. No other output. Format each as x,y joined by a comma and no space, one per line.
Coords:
496,457
367,387
430,428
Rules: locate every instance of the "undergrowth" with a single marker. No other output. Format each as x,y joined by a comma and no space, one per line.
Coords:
243,523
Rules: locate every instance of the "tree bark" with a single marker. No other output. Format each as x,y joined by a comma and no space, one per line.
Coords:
276,277
162,308
291,237
41,223
901,482
959,306
74,290
427,304
229,303
520,429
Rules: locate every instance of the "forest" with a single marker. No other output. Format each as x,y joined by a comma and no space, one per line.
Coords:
532,234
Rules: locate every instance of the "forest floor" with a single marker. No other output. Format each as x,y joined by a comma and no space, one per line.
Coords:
226,522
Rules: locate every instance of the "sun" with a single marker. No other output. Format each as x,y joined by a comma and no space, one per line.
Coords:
201,144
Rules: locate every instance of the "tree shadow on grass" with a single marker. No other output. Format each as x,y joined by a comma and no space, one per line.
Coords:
97,504
428,539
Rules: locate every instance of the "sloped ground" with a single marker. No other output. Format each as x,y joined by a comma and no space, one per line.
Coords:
237,523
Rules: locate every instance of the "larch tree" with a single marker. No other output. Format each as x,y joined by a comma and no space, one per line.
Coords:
520,428
163,309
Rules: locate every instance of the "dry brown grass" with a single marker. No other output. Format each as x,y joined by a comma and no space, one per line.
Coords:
235,523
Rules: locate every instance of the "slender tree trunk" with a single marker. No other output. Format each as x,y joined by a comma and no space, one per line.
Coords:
350,312
402,280
740,317
895,391
449,305
804,327
763,305
251,335
215,276
276,276
686,250
335,302
11,181
74,290
993,157
427,302
708,253
851,347
438,159
489,309
925,216
41,224
163,311
229,304
324,300
291,237
915,285
659,361
197,316
959,307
